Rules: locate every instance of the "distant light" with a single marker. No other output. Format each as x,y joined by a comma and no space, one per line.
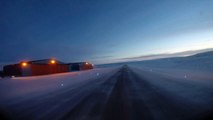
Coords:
87,63
52,62
24,64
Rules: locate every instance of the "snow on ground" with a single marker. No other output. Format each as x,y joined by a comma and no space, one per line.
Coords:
32,86
197,67
167,87
190,94
190,78
200,62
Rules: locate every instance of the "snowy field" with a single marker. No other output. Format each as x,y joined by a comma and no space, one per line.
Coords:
165,89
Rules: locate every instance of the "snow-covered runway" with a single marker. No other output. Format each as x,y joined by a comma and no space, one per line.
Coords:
125,93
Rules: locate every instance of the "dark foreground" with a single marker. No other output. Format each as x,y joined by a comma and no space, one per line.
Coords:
122,96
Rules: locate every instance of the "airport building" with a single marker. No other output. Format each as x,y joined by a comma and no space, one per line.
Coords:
43,67
80,66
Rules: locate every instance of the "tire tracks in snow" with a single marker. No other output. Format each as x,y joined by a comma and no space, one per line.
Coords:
54,104
122,95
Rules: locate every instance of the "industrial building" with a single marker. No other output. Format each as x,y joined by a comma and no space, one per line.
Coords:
43,67
80,66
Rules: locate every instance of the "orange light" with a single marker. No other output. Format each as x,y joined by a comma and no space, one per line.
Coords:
52,62
24,64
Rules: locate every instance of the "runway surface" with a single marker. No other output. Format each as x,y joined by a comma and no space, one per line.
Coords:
128,94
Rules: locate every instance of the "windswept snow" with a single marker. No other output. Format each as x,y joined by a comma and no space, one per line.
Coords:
36,85
165,89
199,62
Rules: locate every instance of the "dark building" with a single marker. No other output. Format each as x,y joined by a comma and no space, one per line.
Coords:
1,74
80,66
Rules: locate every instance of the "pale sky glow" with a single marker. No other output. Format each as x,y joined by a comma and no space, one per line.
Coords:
185,42
102,31
190,41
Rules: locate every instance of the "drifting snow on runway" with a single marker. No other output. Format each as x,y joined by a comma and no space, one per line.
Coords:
125,93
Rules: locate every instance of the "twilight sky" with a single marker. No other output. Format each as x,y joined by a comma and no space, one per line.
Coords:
102,31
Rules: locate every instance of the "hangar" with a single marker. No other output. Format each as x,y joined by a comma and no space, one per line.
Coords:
43,67
80,66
